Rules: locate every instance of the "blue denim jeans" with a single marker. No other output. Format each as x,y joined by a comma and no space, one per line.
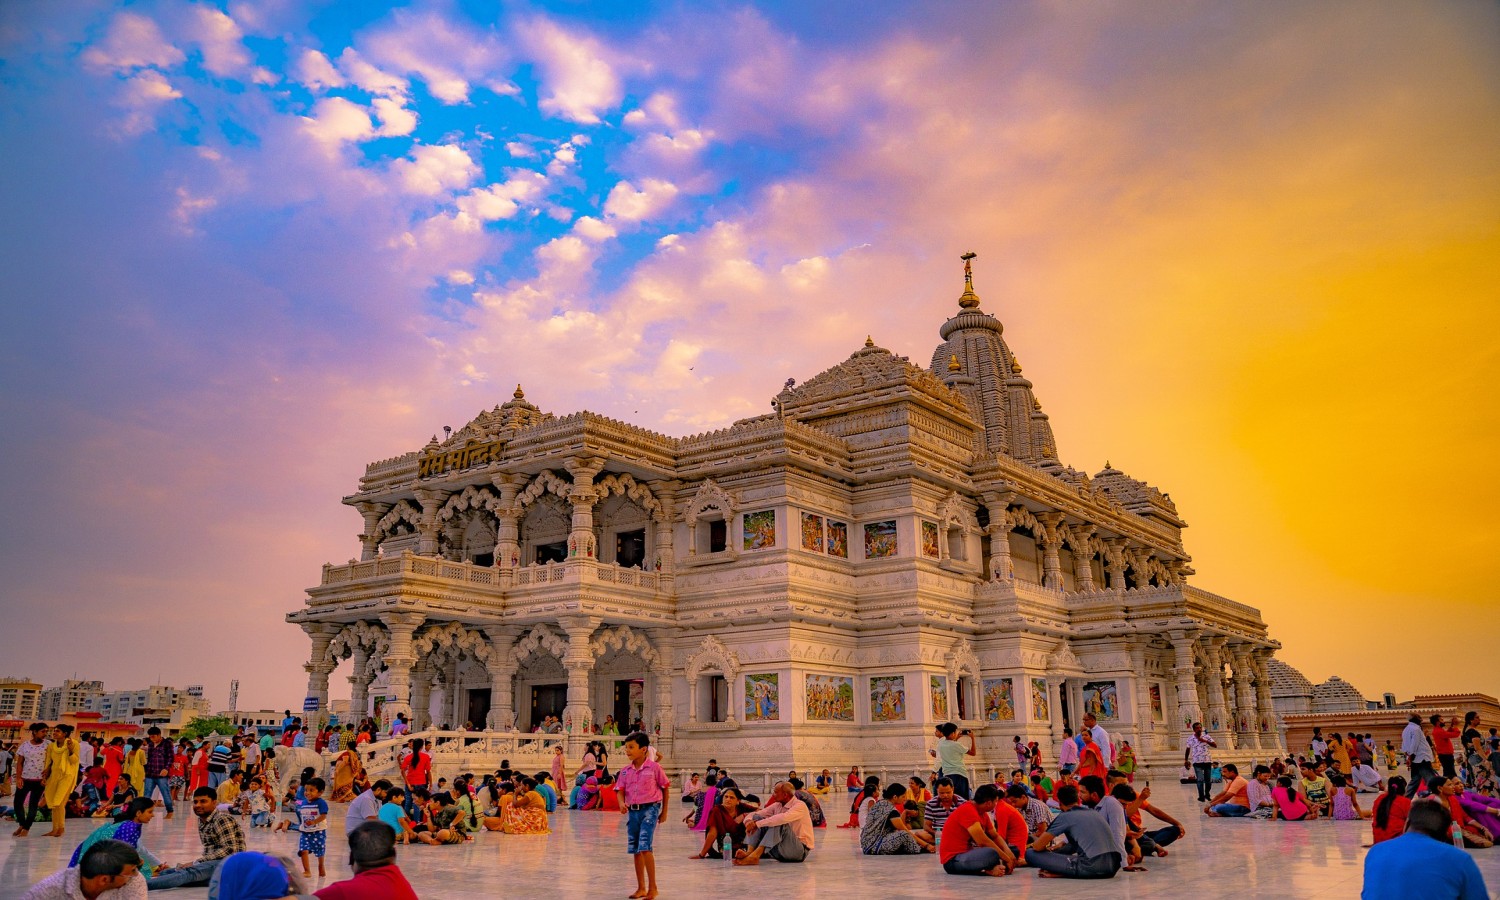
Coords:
187,876
972,862
217,778
164,786
1204,773
1233,810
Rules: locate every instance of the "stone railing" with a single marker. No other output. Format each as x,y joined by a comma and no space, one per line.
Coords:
576,570
463,751
409,563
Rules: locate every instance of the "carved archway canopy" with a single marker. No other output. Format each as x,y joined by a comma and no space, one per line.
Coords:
952,513
541,637
471,498
962,660
623,483
1064,660
710,496
404,511
450,641
622,637
368,636
544,483
711,655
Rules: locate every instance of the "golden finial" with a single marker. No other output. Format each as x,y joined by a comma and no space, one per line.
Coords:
953,365
519,394
969,299
869,342
1036,404
1015,364
1107,465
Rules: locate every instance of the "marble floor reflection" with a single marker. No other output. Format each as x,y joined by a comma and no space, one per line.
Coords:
585,857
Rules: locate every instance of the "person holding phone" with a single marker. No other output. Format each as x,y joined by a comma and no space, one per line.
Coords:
950,756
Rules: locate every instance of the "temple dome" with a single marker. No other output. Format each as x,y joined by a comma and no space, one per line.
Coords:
1337,695
1290,689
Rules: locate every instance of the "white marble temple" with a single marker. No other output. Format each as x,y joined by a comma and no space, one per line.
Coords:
585,857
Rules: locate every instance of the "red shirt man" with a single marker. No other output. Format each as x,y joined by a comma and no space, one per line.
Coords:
1011,826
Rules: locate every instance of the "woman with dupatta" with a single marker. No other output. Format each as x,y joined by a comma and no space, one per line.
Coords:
348,774
127,826
61,774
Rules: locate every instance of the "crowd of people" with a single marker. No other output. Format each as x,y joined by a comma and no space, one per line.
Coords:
1086,820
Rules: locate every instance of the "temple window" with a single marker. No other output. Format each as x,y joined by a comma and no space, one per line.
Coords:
630,548
714,692
712,535
552,553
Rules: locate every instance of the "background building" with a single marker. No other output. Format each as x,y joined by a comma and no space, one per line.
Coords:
71,696
19,698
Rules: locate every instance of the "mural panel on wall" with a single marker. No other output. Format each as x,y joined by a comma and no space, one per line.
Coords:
930,539
999,700
1101,699
838,539
812,532
880,539
830,698
1158,710
938,687
763,697
1041,710
760,529
888,698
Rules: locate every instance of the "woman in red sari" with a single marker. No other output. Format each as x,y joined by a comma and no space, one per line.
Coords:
198,768
114,762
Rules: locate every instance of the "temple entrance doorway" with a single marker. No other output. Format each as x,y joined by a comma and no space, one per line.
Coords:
547,700
630,702
479,706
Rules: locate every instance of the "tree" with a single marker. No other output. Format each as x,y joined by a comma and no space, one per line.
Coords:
202,726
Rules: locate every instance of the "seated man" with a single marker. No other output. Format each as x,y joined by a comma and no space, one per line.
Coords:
106,872
1036,813
1366,780
944,801
372,855
221,837
1234,800
814,808
1093,850
1421,862
1154,842
782,829
969,844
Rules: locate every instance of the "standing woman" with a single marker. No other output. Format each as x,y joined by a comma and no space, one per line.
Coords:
559,774
60,774
114,761
135,763
1125,762
198,768
180,759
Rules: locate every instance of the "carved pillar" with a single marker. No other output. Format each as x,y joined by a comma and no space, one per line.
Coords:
1247,718
1055,686
1051,541
432,502
1083,571
370,540
421,697
663,720
692,684
578,716
1218,713
1188,709
359,685
1145,727
501,667
508,523
997,506
319,666
398,662
662,535
582,497
1114,557
454,716
1265,706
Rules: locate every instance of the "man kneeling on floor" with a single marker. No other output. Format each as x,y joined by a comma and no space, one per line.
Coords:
782,829
1092,850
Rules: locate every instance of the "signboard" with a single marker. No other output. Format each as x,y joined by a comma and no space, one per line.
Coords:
310,704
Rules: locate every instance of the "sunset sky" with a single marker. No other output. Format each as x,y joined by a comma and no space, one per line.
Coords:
1248,252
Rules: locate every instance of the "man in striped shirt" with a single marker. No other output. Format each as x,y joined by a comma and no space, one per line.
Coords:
942,804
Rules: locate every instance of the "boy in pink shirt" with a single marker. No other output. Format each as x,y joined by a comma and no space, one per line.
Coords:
643,788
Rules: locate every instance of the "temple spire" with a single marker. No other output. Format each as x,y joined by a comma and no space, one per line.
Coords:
969,299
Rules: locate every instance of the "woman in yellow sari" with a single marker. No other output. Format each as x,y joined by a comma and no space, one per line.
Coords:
348,772
135,764
61,774
527,814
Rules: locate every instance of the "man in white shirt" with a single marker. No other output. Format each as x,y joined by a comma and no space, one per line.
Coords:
1198,751
1418,755
1366,780
31,763
366,807
85,753
782,830
1101,737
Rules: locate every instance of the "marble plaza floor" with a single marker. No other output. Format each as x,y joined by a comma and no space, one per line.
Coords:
584,857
